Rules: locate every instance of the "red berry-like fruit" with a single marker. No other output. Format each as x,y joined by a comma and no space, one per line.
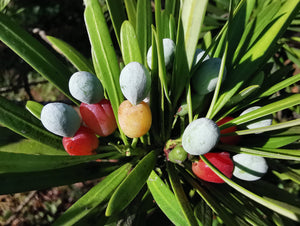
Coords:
84,142
99,117
228,139
220,160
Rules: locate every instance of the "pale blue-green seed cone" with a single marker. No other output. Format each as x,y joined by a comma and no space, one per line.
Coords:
135,82
60,119
200,136
205,79
249,167
86,87
169,53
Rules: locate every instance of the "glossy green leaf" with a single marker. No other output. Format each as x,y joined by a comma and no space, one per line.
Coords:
193,12
242,94
129,44
27,146
161,65
181,72
130,6
264,110
21,121
225,215
131,186
278,126
259,53
35,54
104,56
281,85
143,27
117,15
97,195
19,162
180,195
287,154
241,207
3,4
165,199
273,139
39,180
273,205
35,108
72,55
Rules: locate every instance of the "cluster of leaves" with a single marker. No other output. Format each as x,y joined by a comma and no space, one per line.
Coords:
246,42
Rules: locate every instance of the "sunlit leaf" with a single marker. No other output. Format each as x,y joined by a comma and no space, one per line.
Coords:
131,186
165,199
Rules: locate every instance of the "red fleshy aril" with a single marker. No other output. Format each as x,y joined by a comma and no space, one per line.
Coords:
84,142
221,161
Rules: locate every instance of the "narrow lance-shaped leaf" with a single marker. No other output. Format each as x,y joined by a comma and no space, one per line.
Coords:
35,54
259,53
131,186
17,162
165,199
287,212
104,56
264,110
98,194
130,6
75,57
129,44
180,195
21,121
29,146
38,180
287,154
193,12
117,15
35,108
143,27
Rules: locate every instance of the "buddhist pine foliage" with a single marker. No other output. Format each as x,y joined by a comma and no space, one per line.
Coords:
140,183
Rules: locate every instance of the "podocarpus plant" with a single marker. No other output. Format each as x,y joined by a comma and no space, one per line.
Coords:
140,173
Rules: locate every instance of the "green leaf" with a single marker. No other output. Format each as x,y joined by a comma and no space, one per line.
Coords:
97,195
193,12
131,186
281,85
180,195
143,27
165,199
242,94
264,110
131,11
287,154
35,54
273,139
75,57
21,121
38,180
35,108
18,162
180,67
129,44
259,53
31,147
117,15
278,126
225,215
3,4
275,206
104,56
